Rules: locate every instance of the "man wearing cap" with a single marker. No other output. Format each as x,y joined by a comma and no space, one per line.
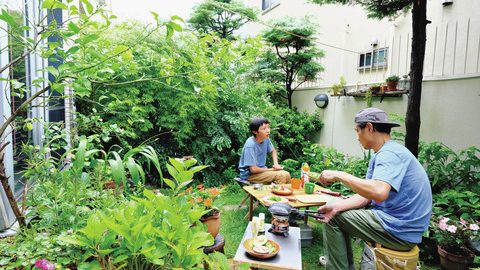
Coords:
396,190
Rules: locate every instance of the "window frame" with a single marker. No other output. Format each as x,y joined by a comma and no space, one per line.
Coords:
269,4
370,59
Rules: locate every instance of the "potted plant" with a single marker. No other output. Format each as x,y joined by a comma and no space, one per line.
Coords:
453,239
392,82
375,88
337,88
206,197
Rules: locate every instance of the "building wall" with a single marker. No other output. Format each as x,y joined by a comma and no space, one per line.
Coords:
450,113
450,110
341,34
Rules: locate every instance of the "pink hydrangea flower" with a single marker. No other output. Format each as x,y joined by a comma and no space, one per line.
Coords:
463,222
474,227
44,264
452,228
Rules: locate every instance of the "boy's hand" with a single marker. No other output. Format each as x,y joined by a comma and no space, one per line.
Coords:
277,167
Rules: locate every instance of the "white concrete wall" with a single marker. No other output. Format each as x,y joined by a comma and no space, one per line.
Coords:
453,40
450,113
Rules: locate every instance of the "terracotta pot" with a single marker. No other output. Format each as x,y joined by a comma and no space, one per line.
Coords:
392,86
213,223
450,261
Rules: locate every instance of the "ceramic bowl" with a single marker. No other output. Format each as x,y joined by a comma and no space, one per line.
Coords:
248,245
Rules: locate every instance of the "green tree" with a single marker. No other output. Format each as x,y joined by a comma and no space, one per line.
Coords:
385,8
220,17
74,72
296,53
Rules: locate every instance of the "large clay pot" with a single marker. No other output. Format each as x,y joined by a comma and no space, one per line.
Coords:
213,223
450,261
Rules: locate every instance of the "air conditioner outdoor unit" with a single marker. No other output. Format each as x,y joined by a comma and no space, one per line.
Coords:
447,2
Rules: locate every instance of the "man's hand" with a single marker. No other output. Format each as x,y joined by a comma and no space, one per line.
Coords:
277,167
327,177
327,211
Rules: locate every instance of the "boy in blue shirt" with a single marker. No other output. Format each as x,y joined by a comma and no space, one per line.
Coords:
252,163
396,187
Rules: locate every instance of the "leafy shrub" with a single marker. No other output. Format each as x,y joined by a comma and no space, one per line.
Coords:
187,96
151,233
449,170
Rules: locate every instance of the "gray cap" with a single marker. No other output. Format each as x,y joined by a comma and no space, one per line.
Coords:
374,115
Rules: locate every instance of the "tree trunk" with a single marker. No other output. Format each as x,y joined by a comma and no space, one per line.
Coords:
8,191
289,95
419,36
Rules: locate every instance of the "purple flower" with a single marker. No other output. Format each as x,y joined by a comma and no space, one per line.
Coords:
474,227
452,228
44,264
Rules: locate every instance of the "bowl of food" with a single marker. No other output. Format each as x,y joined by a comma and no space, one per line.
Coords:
269,199
257,186
261,247
282,191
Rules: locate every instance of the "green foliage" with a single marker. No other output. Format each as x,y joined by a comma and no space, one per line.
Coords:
454,178
338,87
199,105
293,41
393,78
182,172
293,131
449,170
375,9
458,203
21,251
220,17
151,233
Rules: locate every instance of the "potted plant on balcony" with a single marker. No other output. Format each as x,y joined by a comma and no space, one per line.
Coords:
392,82
453,240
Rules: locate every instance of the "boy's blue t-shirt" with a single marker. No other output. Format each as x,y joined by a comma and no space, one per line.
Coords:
407,210
254,154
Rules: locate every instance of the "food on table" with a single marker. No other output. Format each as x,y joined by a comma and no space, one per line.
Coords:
274,198
261,249
262,245
260,240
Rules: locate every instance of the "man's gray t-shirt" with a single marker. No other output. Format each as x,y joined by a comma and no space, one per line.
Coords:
253,154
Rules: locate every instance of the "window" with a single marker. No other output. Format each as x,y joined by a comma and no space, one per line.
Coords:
373,59
267,4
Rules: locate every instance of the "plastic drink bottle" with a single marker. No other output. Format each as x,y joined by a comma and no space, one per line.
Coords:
304,173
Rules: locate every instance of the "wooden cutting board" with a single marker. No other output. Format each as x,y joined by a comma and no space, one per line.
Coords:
313,198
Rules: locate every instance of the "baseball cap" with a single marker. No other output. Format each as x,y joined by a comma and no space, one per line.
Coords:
374,115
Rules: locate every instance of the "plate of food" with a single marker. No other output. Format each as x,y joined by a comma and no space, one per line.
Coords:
269,199
281,190
261,247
